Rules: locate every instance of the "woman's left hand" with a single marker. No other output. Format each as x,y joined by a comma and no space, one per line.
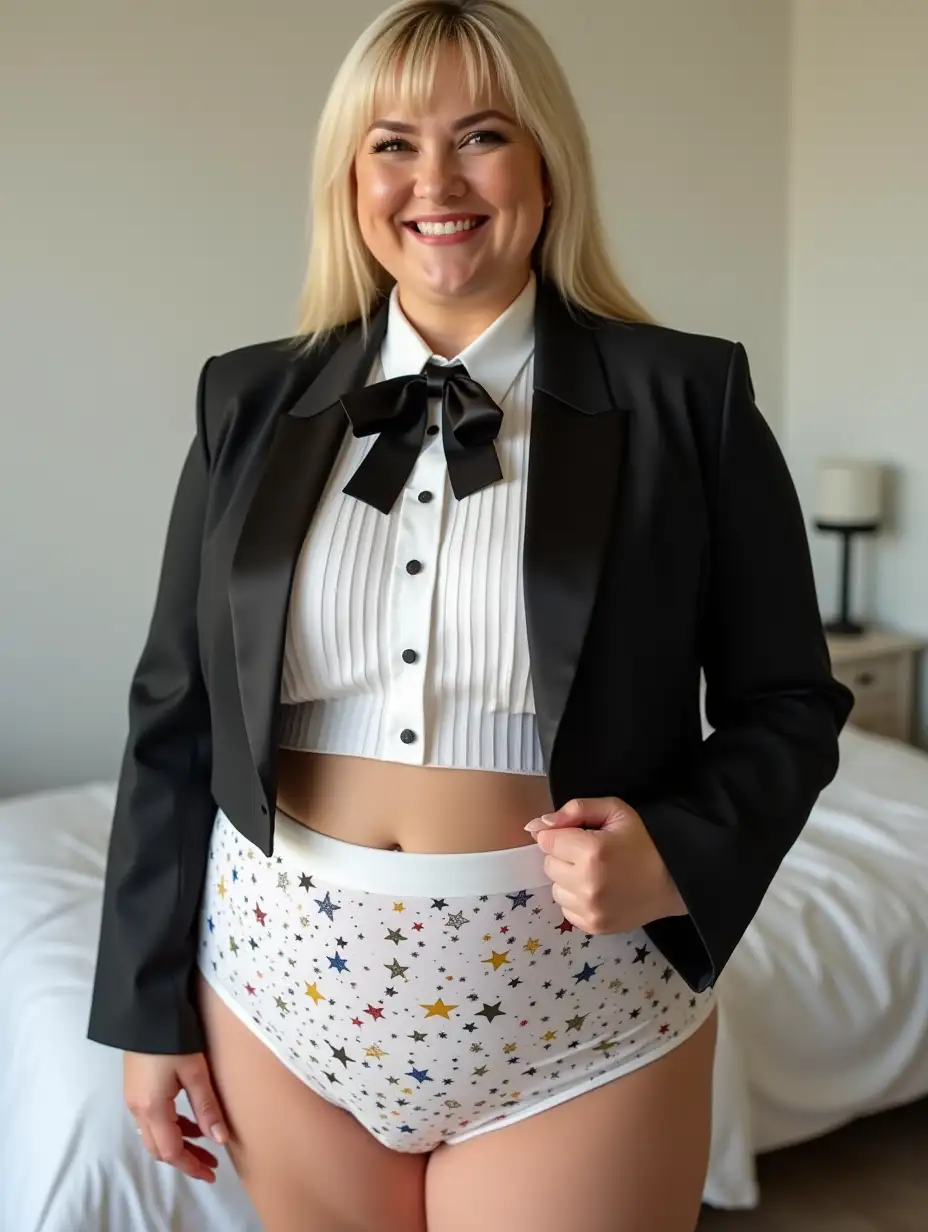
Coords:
609,877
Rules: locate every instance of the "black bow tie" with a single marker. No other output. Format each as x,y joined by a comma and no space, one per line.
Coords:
398,410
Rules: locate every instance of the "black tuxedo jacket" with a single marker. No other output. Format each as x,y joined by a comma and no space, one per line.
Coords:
663,535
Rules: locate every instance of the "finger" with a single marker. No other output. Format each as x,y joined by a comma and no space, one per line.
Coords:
148,1141
170,1146
571,846
571,908
190,1129
563,873
205,1157
566,899
204,1101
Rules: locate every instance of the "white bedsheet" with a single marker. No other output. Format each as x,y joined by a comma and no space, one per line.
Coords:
824,1006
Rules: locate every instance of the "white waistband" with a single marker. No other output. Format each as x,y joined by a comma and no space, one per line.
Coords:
378,871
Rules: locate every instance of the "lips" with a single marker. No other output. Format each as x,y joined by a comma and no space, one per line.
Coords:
460,224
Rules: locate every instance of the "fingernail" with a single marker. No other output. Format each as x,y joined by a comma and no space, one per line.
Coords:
535,825
218,1134
548,818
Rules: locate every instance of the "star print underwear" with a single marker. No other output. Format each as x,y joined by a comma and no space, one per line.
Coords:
433,997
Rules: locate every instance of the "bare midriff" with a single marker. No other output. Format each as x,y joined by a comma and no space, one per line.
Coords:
409,808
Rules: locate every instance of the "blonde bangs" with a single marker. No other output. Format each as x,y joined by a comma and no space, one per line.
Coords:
394,65
403,69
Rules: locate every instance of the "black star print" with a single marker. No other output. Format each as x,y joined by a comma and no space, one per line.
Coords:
439,904
331,1077
489,1012
641,953
306,883
667,973
340,1055
470,1026
515,983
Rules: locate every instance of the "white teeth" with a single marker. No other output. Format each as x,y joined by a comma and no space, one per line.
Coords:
446,228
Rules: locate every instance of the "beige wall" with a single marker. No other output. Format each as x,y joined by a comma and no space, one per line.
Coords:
155,163
857,380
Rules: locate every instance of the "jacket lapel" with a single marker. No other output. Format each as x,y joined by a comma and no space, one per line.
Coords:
292,477
576,453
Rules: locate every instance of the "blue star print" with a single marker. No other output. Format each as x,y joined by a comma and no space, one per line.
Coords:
520,899
338,962
326,905
586,973
420,1075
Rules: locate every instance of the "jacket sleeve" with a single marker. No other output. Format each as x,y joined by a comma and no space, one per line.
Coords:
724,827
164,810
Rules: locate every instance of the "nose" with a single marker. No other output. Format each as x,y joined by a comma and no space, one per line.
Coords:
438,178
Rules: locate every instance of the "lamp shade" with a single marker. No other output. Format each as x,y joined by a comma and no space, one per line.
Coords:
850,493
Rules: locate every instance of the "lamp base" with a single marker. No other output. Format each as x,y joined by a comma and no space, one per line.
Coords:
845,628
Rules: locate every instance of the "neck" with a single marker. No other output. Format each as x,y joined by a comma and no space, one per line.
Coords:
447,326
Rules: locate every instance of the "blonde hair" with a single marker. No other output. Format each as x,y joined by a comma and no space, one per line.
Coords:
400,51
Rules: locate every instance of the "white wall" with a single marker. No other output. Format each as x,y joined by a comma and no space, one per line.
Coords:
155,163
857,380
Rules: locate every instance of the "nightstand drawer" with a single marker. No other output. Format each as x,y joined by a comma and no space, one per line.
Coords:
879,678
882,689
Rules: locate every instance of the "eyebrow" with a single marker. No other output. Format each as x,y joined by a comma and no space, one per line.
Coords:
395,126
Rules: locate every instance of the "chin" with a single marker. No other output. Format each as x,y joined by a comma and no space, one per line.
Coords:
446,284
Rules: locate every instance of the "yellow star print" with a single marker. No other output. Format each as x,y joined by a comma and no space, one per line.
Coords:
223,890
509,1048
399,907
549,1035
375,1051
531,945
438,1010
313,991
498,960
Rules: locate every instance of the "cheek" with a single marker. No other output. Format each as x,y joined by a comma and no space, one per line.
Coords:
378,194
515,185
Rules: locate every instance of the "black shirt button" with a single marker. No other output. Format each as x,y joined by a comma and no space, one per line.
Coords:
432,429
407,736
409,656
414,566
425,497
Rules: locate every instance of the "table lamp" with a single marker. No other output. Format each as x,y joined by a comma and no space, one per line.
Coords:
850,503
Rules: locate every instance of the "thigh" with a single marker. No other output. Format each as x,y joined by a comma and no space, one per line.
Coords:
307,1165
629,1156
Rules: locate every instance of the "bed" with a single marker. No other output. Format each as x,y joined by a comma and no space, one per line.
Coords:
824,1006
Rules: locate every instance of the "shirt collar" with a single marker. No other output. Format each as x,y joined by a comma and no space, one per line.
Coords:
494,360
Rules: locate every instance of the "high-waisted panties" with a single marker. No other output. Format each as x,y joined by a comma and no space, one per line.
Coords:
431,996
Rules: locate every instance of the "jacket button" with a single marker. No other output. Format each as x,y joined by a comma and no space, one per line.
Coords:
407,736
409,656
425,497
414,566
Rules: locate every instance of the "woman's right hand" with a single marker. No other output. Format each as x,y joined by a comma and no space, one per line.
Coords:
151,1084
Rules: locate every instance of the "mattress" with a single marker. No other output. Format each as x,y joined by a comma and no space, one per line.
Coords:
823,1007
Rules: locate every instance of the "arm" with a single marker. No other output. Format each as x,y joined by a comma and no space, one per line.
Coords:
164,809
724,828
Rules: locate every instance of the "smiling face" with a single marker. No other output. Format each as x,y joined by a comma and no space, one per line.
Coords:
451,202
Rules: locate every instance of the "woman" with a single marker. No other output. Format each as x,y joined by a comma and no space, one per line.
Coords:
415,776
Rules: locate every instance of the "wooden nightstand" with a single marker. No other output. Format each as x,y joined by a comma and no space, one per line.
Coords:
881,669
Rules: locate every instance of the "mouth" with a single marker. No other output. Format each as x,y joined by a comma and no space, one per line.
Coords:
449,229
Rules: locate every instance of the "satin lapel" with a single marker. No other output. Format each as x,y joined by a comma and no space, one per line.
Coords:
293,475
575,462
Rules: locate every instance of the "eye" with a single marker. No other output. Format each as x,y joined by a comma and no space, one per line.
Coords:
388,145
485,136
